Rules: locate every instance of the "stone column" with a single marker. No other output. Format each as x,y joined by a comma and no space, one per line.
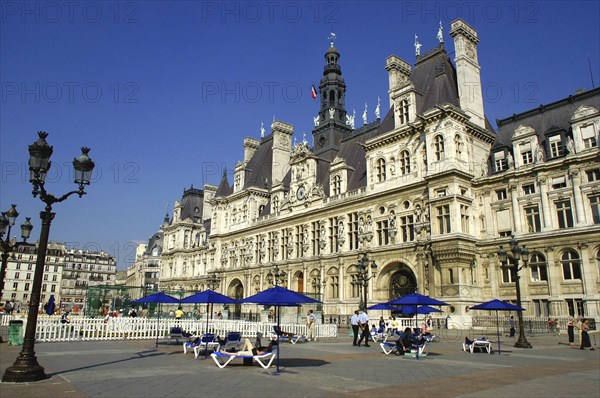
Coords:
545,204
579,210
516,210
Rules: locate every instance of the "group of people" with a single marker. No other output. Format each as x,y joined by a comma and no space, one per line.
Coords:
360,326
583,325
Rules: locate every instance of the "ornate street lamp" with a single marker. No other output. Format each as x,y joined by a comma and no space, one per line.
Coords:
26,367
363,278
213,281
518,253
277,278
7,221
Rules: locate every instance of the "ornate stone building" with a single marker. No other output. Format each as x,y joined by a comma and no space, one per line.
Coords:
429,193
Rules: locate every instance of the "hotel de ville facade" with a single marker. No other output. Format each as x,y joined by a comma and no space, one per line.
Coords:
429,192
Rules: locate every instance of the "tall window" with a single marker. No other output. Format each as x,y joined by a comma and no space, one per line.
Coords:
286,240
337,185
532,215
353,230
564,213
334,283
314,237
383,236
570,265
275,205
405,162
539,270
509,274
458,145
595,205
464,218
403,110
528,189
593,175
408,229
380,170
354,284
438,144
299,238
501,194
556,148
333,234
443,216
272,246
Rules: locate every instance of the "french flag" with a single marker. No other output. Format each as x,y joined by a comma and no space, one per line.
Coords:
313,92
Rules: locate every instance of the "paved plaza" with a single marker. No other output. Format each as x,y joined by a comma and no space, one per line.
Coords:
332,368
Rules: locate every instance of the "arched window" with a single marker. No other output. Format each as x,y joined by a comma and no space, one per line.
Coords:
380,170
458,145
439,147
405,162
403,110
538,267
570,265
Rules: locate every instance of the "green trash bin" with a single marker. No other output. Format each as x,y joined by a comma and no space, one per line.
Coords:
15,332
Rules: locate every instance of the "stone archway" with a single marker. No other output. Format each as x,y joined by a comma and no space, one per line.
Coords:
236,291
402,282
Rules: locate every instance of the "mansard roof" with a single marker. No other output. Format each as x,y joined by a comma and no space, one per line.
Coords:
434,77
155,240
192,204
259,170
545,118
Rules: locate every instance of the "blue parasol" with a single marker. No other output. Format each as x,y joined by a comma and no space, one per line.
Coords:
497,305
158,298
279,297
208,297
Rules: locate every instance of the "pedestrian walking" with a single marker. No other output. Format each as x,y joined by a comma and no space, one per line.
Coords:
511,326
363,323
585,337
570,329
354,324
311,320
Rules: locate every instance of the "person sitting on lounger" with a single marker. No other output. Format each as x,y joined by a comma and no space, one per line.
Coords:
407,340
249,350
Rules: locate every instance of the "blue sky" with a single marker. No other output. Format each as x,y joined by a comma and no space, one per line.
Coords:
164,92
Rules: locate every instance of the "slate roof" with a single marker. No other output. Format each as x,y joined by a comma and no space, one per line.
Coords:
192,204
545,118
155,240
434,77
224,189
258,170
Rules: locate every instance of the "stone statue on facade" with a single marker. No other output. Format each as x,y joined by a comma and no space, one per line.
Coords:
364,115
331,113
510,161
570,146
378,109
417,46
539,154
316,120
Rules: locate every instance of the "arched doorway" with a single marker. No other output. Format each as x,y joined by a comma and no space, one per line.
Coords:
300,285
402,282
236,291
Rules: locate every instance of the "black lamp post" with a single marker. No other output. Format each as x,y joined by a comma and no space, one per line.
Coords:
26,367
277,278
363,278
7,220
213,281
518,253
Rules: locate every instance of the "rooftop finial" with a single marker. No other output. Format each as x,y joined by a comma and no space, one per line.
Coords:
262,130
332,38
440,35
417,46
378,109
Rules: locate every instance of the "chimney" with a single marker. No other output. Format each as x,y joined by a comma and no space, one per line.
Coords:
250,147
399,74
282,148
467,70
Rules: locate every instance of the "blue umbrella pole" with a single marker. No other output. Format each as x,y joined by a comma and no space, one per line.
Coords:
498,330
206,349
157,324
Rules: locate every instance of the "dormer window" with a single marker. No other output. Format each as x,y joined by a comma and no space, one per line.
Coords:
588,135
439,147
380,170
528,189
526,153
501,194
337,185
403,110
556,147
500,161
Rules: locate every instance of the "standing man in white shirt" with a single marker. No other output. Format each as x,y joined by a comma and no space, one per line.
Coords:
354,324
311,320
363,323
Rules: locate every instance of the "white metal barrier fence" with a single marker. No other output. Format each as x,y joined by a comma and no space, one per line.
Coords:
50,329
